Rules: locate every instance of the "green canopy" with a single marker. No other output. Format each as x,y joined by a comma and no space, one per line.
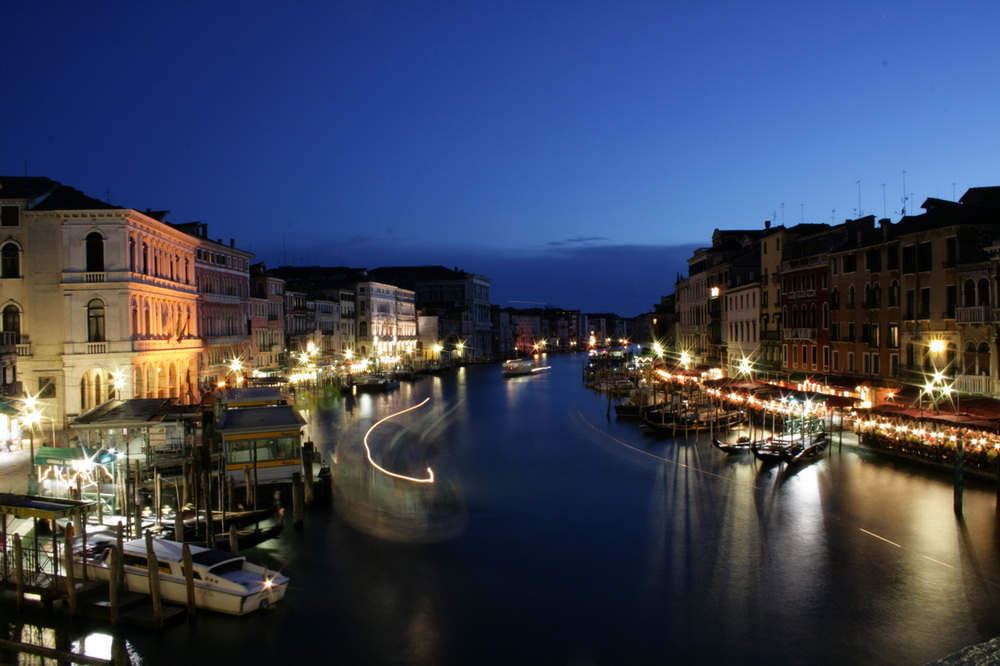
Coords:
65,457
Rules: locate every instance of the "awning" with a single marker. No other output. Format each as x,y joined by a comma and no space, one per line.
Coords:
67,457
7,409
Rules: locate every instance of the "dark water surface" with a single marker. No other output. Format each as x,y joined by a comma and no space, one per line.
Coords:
591,542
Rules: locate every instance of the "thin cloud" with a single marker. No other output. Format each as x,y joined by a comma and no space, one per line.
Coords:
576,241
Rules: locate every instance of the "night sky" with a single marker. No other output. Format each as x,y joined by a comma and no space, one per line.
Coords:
573,152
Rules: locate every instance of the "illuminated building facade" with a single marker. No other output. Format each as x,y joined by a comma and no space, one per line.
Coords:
102,299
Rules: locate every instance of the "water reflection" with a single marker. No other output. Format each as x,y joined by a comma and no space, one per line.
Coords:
44,641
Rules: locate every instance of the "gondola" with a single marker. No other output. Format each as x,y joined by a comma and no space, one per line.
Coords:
741,445
808,448
692,421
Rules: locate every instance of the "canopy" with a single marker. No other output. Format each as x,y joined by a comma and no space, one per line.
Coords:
66,457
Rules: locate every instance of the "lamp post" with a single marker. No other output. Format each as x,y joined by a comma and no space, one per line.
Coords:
31,417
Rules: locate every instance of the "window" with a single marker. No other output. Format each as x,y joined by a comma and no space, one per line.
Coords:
10,216
12,322
892,258
925,303
909,259
894,294
95,252
924,254
10,261
894,336
873,258
46,387
95,321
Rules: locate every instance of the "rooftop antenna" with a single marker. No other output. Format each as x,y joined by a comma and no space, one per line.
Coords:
833,215
904,192
953,192
860,213
107,195
883,201
782,214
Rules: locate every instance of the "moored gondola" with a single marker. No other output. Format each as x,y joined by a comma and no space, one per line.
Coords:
742,444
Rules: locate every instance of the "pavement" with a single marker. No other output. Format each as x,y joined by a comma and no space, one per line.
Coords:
15,468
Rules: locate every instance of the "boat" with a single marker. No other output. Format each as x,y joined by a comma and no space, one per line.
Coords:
770,450
805,447
222,582
699,419
795,447
517,368
741,445
635,404
374,382
247,536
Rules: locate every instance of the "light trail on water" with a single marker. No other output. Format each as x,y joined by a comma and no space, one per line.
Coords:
368,451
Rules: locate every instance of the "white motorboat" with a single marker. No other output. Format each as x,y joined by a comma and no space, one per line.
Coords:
223,582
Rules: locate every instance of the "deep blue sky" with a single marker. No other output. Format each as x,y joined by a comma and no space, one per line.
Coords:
574,152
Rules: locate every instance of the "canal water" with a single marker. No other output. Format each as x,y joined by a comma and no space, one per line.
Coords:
589,541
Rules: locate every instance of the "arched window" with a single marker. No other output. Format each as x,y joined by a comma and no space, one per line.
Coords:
95,252
850,297
12,322
131,254
10,261
95,321
969,359
835,298
984,292
969,294
363,329
894,294
983,362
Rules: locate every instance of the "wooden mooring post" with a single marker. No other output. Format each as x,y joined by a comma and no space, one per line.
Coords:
153,570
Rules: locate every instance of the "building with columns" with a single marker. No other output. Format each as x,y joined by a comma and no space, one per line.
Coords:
101,299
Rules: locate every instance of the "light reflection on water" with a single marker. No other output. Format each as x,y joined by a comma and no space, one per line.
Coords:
590,541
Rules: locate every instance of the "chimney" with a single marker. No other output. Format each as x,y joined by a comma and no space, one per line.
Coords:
767,224
884,223
232,242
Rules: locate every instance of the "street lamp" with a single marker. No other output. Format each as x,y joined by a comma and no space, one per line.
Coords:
31,417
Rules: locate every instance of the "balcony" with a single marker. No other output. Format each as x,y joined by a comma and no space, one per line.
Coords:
798,333
24,349
980,314
978,384
95,277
